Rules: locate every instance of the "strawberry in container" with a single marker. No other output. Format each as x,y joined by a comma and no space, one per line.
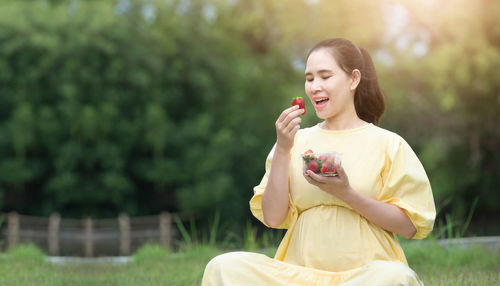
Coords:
320,163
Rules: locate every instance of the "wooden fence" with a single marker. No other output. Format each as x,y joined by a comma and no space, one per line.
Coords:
87,237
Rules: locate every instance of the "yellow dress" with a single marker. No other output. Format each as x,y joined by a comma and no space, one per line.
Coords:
328,243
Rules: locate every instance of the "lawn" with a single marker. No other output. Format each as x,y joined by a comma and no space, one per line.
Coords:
153,265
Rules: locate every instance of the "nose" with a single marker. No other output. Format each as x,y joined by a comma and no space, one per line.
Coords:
316,86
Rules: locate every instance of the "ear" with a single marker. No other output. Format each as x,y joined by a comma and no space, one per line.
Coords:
356,78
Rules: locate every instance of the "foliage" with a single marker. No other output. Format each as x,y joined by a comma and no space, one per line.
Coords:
446,101
130,114
150,252
28,253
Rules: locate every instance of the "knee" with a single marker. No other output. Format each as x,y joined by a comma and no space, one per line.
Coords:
220,262
215,264
397,273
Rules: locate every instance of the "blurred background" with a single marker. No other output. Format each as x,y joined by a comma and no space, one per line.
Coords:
144,106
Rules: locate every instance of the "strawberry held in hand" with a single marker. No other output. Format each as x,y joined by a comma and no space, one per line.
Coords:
298,100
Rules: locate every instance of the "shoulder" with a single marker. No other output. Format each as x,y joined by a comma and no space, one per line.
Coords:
384,133
392,140
397,147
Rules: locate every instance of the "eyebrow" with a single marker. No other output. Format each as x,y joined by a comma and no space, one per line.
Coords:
320,72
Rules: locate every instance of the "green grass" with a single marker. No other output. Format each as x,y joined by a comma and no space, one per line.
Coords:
454,266
153,265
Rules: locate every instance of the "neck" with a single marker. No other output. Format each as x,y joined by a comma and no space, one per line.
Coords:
335,125
346,120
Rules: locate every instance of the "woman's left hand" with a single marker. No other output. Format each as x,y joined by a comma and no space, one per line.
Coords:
338,185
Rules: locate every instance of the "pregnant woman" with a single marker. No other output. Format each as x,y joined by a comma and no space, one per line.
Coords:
342,230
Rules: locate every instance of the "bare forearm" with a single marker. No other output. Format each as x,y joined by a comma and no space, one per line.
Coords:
275,198
388,216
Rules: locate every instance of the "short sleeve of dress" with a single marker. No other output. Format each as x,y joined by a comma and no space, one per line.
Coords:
406,185
256,200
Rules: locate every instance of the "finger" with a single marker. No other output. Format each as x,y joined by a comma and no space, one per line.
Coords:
285,118
317,178
308,178
291,126
286,112
290,130
294,131
291,116
340,169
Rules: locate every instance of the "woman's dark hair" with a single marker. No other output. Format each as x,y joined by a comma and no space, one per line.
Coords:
368,99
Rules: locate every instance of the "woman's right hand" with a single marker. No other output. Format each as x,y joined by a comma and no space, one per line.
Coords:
287,126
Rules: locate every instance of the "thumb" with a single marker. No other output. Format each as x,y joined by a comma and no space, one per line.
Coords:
340,169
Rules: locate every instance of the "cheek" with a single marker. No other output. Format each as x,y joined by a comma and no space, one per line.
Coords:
307,87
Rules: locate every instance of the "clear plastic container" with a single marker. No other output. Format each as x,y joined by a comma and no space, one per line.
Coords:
321,163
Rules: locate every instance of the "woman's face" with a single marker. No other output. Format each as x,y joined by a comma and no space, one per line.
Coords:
327,85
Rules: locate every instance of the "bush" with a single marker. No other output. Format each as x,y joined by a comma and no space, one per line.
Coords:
150,253
27,252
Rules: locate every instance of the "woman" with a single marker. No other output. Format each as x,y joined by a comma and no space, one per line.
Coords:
341,230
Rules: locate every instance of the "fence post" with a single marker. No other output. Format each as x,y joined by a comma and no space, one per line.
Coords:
54,222
165,233
124,223
88,242
12,229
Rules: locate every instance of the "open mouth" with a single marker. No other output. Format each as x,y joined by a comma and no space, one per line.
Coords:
321,101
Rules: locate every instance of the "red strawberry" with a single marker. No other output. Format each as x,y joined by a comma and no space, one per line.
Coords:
327,167
328,157
308,156
298,100
313,166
